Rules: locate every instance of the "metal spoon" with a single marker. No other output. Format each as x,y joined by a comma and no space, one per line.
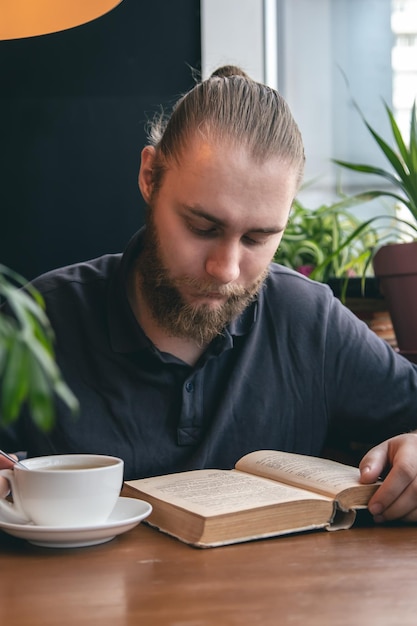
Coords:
13,460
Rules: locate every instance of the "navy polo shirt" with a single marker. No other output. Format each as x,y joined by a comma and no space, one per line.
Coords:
294,364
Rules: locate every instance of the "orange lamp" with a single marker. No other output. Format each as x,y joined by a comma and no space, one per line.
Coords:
29,18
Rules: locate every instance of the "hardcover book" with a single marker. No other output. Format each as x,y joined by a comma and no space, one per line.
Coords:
268,493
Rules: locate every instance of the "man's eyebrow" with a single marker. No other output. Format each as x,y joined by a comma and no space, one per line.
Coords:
199,212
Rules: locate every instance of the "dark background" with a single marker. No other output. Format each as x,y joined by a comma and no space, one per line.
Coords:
73,112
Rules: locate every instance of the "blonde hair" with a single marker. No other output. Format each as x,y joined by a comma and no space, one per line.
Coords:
229,106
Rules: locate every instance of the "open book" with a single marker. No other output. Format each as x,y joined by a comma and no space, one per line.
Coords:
268,493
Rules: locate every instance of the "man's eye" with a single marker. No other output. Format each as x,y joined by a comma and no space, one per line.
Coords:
250,241
203,232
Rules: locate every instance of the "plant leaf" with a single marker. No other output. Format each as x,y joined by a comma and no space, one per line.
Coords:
404,165
40,397
28,370
14,380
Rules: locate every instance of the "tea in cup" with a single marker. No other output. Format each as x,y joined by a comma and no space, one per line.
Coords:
67,490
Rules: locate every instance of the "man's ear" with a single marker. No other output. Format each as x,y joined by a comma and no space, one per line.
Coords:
145,178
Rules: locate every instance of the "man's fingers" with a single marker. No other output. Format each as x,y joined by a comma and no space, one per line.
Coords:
373,463
4,484
388,504
4,487
397,496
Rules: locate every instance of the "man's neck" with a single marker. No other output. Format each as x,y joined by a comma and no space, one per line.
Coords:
185,349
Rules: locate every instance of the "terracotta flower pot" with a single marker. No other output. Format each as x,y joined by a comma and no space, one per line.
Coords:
396,267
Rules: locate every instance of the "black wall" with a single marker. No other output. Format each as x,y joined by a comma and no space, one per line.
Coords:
73,111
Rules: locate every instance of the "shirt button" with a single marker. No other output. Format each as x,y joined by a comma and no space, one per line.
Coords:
189,387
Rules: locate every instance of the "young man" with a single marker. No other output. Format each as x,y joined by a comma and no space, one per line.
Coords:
191,349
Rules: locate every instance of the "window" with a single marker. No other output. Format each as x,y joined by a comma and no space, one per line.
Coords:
326,53
404,60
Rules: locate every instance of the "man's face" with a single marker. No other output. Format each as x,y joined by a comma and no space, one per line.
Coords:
212,230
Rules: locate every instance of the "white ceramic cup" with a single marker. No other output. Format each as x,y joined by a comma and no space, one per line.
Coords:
67,490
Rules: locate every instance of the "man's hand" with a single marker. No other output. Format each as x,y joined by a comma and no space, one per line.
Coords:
4,485
397,496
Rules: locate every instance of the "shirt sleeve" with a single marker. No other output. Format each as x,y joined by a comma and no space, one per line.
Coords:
370,390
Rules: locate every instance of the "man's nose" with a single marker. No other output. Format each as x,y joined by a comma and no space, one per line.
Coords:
223,262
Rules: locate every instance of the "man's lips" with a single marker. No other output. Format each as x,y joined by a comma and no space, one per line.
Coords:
206,295
211,296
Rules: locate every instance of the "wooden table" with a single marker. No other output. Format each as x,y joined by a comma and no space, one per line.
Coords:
362,576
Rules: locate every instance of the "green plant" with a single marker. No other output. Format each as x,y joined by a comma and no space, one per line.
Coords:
403,161
328,241
28,371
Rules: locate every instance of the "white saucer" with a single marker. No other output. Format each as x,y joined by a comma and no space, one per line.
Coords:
127,513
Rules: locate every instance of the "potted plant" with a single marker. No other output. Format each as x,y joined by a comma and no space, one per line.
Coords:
332,245
395,264
28,371
328,241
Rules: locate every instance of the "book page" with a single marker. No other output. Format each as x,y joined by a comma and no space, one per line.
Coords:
214,492
321,475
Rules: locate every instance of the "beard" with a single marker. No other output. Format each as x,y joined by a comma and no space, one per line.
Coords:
199,322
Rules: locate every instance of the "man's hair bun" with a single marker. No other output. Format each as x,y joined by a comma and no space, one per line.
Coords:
229,70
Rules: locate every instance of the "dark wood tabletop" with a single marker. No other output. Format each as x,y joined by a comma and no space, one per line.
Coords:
363,576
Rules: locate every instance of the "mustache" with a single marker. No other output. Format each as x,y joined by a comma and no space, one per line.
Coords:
205,287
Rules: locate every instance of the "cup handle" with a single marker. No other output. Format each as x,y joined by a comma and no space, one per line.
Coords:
11,513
